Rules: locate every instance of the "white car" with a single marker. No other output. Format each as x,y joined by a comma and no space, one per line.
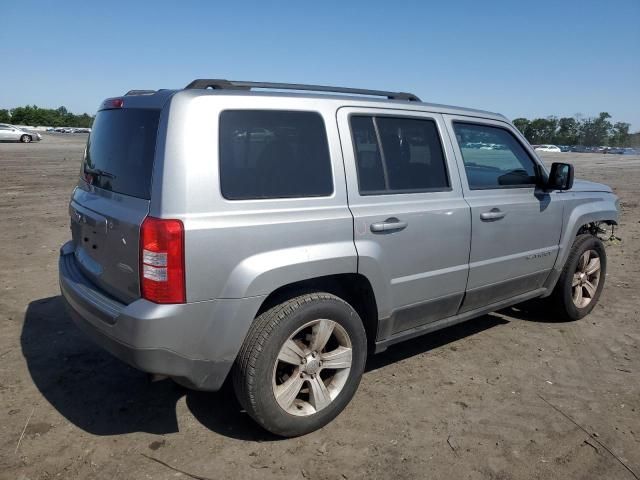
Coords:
15,134
548,148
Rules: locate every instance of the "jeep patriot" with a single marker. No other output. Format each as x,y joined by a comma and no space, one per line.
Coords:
276,234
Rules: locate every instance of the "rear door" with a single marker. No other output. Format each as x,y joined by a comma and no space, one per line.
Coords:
112,198
515,226
411,224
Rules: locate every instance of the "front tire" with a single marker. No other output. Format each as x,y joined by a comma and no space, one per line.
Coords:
301,364
25,139
582,280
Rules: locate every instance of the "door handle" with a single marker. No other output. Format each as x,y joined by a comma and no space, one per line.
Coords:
493,214
389,225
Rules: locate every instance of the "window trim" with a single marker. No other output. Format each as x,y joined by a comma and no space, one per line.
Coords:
373,116
536,165
286,197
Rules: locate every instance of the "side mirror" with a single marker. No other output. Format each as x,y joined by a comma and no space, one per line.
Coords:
560,177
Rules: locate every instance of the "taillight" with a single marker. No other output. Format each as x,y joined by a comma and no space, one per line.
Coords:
162,260
113,103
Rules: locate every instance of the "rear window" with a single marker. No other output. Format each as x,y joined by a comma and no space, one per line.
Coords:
273,154
120,151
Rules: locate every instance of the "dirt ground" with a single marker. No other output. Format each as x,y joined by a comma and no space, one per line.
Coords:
494,398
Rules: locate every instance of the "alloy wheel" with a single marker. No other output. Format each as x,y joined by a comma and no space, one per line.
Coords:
586,278
312,367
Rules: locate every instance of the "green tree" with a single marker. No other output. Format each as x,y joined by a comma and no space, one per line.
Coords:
522,124
542,130
568,131
577,130
619,134
34,116
595,131
5,117
634,140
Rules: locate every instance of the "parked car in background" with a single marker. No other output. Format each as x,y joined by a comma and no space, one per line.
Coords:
11,133
547,148
70,130
564,148
614,150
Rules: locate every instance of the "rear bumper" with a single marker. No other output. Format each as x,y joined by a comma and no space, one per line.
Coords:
196,343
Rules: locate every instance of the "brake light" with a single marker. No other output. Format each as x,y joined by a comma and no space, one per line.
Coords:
113,103
162,260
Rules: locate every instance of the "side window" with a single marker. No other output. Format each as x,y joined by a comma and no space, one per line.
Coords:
493,157
273,154
371,174
398,155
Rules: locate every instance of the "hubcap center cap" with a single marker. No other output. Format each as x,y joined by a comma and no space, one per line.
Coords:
312,366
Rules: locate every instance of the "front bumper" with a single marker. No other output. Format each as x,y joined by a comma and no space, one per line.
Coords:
195,343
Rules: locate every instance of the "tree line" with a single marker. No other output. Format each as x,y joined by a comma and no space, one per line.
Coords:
558,131
590,132
34,116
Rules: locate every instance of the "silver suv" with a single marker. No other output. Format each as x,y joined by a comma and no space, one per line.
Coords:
278,237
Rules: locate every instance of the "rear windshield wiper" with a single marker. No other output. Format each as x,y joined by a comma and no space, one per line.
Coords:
98,173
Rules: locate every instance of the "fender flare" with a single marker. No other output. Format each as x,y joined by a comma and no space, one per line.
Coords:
581,215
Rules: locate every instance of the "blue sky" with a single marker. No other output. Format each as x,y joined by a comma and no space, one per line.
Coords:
534,58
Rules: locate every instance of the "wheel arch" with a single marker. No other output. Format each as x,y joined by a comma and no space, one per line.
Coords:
353,288
581,219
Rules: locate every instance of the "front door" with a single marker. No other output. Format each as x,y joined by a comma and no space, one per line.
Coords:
411,223
515,226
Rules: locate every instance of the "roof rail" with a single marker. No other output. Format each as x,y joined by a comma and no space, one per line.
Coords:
241,85
139,92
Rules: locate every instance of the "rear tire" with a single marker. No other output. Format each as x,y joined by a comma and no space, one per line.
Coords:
25,139
301,363
582,280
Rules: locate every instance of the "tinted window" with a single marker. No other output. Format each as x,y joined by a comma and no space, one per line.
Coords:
371,175
273,154
396,155
122,146
493,158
